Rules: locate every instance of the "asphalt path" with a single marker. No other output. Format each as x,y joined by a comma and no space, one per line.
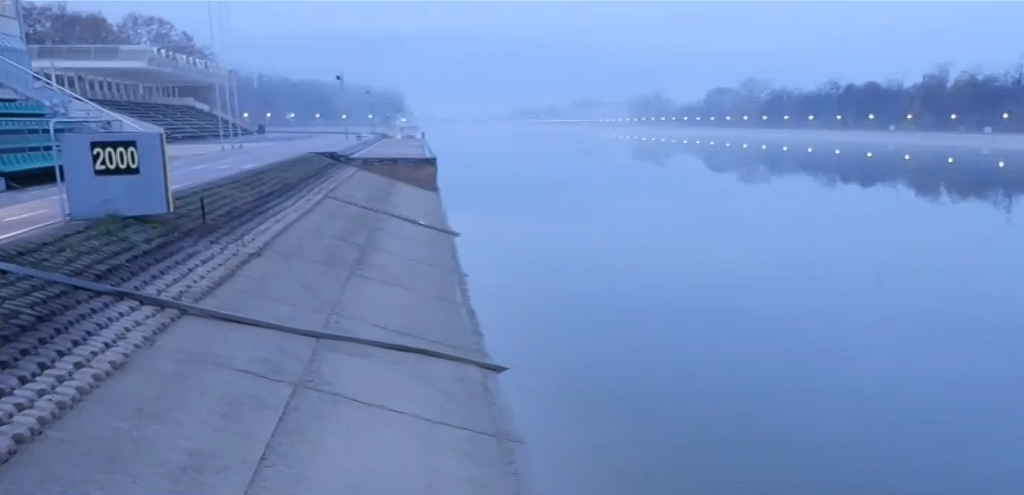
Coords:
25,210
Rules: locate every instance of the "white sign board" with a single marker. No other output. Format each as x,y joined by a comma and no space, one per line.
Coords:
116,174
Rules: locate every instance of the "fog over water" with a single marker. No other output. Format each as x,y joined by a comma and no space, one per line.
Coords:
702,319
471,58
687,317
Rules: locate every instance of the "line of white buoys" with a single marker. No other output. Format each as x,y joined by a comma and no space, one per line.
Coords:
837,151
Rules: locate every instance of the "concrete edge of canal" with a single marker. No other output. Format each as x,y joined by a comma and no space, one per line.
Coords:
327,344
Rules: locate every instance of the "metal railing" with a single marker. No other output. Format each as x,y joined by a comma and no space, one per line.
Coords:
153,56
75,52
59,99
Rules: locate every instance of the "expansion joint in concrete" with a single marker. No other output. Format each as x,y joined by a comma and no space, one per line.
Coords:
204,312
360,255
420,223
407,413
280,419
302,384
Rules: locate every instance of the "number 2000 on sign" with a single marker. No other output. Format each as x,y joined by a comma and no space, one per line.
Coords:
115,158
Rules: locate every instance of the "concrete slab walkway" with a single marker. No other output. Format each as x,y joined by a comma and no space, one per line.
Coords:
396,149
225,409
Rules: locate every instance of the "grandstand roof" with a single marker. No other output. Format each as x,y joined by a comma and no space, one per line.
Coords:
129,62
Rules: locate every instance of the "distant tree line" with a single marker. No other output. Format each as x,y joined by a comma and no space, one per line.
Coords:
54,23
968,101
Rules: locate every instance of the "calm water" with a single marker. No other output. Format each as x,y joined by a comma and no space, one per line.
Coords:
696,319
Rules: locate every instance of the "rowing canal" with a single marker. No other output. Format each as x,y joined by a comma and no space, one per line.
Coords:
747,318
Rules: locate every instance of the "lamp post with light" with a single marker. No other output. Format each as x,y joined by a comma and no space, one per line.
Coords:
373,120
221,78
344,103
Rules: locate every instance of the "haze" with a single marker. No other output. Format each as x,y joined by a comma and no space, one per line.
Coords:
485,58
822,298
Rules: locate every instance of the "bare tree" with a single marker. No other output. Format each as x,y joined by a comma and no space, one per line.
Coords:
56,24
151,30
972,100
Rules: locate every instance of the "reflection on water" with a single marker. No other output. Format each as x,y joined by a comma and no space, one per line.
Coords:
995,177
672,330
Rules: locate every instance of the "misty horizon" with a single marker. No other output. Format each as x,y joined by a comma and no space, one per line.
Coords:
487,58
721,248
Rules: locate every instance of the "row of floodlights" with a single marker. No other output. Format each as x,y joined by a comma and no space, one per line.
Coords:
245,115
836,151
871,116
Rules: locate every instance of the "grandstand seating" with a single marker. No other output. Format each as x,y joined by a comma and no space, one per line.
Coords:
180,122
25,146
26,153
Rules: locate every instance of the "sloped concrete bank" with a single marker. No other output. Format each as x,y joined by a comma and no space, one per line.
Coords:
223,408
57,343
419,172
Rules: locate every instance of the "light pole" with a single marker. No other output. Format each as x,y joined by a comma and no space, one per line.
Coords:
216,85
231,91
226,58
234,87
344,105
373,119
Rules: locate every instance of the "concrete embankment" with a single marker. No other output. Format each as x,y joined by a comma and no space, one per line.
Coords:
106,394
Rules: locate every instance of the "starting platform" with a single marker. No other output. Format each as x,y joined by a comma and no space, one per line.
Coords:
405,160
397,149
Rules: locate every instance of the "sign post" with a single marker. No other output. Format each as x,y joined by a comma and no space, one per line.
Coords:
115,174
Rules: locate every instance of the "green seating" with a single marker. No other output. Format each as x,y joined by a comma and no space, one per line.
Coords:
25,138
19,140
24,123
22,108
23,162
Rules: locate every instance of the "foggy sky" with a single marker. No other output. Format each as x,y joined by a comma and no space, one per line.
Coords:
465,58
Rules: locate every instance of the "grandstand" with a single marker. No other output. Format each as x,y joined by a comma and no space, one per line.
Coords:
24,144
169,90
25,141
96,89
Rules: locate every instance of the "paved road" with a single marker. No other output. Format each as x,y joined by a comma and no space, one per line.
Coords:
23,211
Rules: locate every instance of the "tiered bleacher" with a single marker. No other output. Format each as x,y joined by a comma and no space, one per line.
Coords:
25,147
180,122
148,84
176,92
